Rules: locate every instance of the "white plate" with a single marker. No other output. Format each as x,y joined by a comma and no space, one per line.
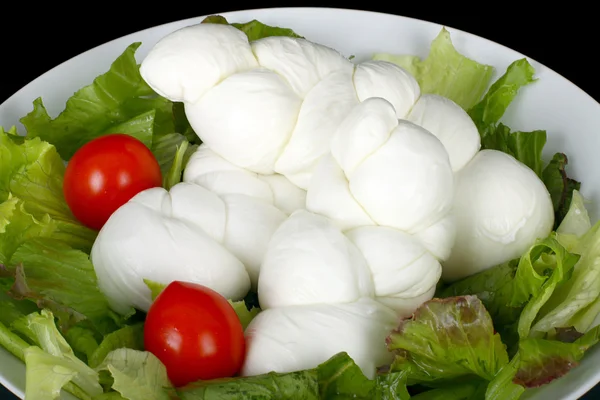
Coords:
570,116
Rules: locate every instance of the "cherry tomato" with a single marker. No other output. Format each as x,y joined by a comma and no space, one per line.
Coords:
105,173
195,332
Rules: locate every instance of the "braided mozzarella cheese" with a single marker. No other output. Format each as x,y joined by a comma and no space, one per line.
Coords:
363,168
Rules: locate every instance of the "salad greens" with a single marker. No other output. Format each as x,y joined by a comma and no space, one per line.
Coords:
492,335
446,72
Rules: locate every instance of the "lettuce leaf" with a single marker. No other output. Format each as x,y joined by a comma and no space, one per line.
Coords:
165,149
447,339
96,109
253,29
51,363
31,196
175,172
300,385
492,107
524,146
62,279
446,72
130,337
560,186
459,391
507,289
340,378
137,375
575,303
538,362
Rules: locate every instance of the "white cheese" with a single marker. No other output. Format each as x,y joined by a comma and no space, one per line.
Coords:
449,123
187,63
439,237
323,110
310,261
250,224
290,339
407,183
208,169
501,208
151,237
247,118
400,265
388,81
366,128
302,63
329,195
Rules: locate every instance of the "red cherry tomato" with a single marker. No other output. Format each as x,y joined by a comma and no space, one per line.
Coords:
195,332
105,173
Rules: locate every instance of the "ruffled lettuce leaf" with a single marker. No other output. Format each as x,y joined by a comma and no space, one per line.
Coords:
175,173
507,289
61,279
524,146
338,378
31,197
96,109
560,186
118,101
129,337
450,347
137,375
488,112
576,302
446,340
50,362
300,385
446,72
538,362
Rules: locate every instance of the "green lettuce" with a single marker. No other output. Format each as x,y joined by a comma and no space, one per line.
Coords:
487,112
450,348
137,375
560,186
446,72
51,363
447,339
171,159
95,109
300,385
31,197
62,279
130,337
524,146
508,288
338,378
253,29
175,172
118,101
576,302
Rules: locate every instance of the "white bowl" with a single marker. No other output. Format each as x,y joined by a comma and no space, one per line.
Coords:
570,116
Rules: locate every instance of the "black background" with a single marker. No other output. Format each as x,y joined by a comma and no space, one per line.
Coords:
36,38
